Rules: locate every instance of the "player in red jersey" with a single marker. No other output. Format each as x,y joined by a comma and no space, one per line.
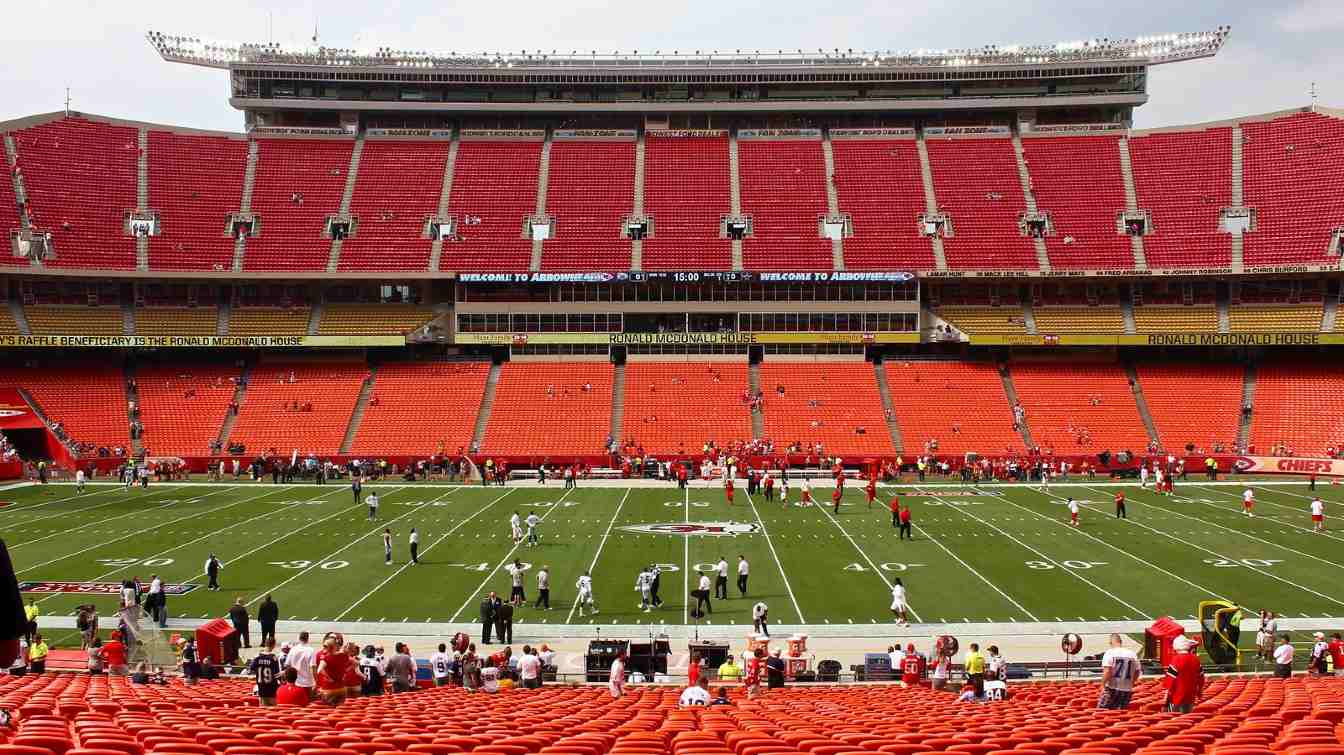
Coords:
871,490
895,511
837,494
1248,502
728,489
912,668
1120,505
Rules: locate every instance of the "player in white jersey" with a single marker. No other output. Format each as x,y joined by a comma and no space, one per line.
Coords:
806,490
532,521
79,481
1248,502
784,490
1143,475
644,586
1157,478
372,502
1318,520
387,545
585,597
1073,512
899,607
516,528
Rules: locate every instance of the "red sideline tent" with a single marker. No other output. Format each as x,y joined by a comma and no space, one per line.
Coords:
1157,639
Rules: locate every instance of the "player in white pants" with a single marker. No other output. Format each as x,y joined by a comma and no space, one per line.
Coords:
585,597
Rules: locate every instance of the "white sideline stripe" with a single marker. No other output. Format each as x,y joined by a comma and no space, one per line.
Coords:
287,534
19,484
1257,570
600,543
1284,522
862,552
1057,564
686,565
183,545
1115,548
336,552
471,596
136,534
788,587
138,497
697,484
440,539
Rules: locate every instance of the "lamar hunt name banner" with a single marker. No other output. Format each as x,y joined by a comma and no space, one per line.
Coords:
204,342
680,339
1289,465
1162,339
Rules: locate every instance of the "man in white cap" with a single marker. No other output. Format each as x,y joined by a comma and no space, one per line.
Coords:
1184,678
1320,651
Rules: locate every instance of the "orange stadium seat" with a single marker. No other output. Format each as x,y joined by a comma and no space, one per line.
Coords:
670,406
977,183
66,320
826,402
1298,405
422,408
878,184
267,418
1290,166
1185,179
1193,403
494,191
591,187
397,187
291,236
8,325
686,191
783,185
1079,408
961,405
195,184
545,408
182,408
90,401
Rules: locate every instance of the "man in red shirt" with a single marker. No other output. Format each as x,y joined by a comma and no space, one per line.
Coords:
289,692
905,531
1120,505
1336,649
912,668
1184,679
871,490
114,655
836,495
895,511
728,489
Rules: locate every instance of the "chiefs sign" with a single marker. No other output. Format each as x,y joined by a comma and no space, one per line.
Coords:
686,529
1289,465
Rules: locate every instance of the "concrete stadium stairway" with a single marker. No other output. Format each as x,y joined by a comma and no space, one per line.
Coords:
445,193
239,396
543,184
245,203
1011,391
1131,202
357,414
1247,399
1142,402
888,408
487,403
351,175
930,198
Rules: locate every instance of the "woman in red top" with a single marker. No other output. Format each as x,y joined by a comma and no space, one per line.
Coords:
332,665
693,670
354,675
114,655
289,692
755,665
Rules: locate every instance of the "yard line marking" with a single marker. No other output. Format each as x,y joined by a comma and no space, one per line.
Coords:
864,553
338,551
972,570
1115,548
1276,520
686,566
138,532
21,509
1255,569
507,556
193,542
1058,565
603,542
100,522
441,538
788,587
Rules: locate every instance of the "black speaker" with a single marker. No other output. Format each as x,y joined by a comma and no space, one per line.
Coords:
713,653
601,654
649,658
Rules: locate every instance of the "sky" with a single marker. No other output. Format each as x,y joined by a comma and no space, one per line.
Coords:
98,49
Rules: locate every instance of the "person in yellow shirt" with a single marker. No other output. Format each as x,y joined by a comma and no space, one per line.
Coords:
730,671
30,613
975,669
37,655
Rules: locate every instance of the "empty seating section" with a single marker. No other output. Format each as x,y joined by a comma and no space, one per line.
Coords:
1184,179
494,192
1079,408
591,187
878,185
81,178
550,408
269,418
89,400
299,183
1100,318
826,402
74,320
959,406
8,325
687,186
675,406
1193,403
422,409
1293,168
1003,319
398,185
783,187
1158,318
1078,181
268,321
372,319
195,184
1300,406
182,408
171,321
1242,318
977,184
10,219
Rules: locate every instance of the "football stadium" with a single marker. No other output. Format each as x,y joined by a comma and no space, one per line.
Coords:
673,403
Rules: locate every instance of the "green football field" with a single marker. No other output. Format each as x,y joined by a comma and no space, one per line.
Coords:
998,553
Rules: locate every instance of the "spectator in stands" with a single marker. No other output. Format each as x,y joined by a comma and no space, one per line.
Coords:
114,655
290,693
1184,678
722,697
401,669
730,671
1120,670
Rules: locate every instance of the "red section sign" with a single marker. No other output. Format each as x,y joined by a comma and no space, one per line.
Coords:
1289,465
95,588
14,412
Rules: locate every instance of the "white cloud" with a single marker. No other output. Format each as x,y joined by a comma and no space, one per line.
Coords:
1312,16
